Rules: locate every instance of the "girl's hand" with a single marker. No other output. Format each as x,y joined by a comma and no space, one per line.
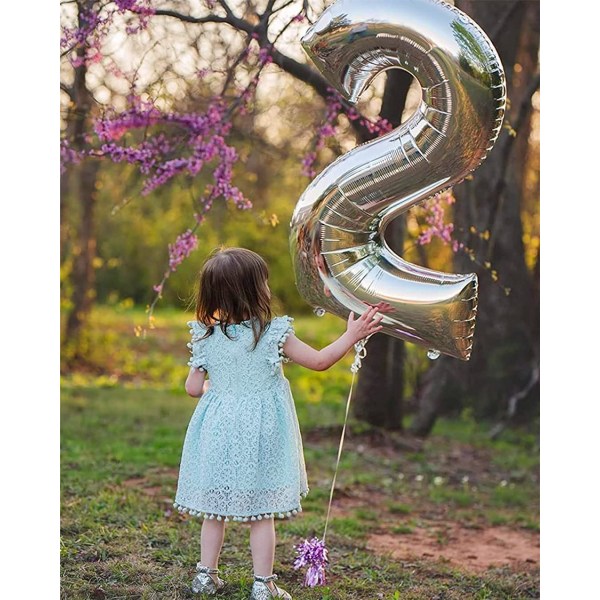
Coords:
367,324
384,307
320,360
206,386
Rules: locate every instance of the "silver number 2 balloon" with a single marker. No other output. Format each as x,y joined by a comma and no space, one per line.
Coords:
340,256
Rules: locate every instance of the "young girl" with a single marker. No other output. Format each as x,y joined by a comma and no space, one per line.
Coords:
242,457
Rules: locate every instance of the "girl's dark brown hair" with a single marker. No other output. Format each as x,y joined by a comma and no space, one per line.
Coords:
232,287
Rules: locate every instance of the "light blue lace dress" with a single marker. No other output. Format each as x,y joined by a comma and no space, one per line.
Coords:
242,457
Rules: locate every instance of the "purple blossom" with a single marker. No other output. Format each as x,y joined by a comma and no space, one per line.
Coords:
327,129
90,24
307,163
202,135
112,126
312,554
184,245
456,245
94,24
141,8
136,6
435,219
264,55
86,38
68,155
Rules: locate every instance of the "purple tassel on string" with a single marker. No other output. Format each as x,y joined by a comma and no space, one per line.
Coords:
312,554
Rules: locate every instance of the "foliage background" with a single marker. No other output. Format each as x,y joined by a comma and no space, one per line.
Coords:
123,406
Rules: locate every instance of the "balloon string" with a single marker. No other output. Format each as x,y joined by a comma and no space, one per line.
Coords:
360,354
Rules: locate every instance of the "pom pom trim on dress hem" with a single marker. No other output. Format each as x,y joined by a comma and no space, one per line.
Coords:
269,515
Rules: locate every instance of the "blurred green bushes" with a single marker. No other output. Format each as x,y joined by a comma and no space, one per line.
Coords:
133,234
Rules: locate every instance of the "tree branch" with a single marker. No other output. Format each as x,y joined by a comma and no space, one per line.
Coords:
283,29
314,79
67,90
522,113
300,71
268,11
288,3
513,401
502,21
231,69
230,20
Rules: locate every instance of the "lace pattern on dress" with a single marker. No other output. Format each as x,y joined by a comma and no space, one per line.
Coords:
242,455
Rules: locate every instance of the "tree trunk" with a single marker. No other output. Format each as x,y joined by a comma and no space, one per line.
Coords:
83,276
506,345
83,180
379,391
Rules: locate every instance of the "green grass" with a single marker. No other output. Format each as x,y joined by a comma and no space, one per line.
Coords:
509,496
120,537
399,508
402,529
455,497
366,514
121,436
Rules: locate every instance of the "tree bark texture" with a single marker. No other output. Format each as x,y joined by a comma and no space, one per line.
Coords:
83,185
380,387
506,341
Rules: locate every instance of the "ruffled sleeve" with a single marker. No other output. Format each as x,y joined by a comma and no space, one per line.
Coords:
197,345
279,330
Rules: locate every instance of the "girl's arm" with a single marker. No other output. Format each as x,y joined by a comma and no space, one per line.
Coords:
194,384
320,360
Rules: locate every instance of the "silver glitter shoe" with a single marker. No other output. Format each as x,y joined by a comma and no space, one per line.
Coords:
261,591
203,583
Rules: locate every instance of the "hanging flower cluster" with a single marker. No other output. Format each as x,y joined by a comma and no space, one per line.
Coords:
159,157
333,109
69,155
435,219
184,245
94,25
172,144
141,8
89,34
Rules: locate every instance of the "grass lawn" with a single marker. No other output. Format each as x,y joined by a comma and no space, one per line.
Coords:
123,420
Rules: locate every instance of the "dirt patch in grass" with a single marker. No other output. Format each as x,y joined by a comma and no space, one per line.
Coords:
141,484
383,443
421,530
452,459
157,483
473,550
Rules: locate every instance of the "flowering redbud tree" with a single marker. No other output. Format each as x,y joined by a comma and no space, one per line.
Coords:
163,144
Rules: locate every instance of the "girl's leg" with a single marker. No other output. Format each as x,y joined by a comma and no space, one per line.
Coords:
262,544
211,542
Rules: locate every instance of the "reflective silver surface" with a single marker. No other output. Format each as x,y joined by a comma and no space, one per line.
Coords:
203,583
341,260
260,589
